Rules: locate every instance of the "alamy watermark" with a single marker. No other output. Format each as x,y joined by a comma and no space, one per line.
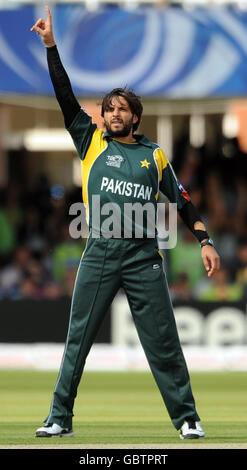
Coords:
133,220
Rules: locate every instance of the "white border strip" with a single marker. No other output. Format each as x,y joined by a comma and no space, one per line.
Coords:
104,357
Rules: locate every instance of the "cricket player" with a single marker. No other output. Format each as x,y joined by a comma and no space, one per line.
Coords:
120,168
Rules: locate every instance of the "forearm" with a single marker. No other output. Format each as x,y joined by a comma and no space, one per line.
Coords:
192,219
62,86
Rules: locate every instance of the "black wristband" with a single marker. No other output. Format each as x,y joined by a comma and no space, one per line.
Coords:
201,235
190,216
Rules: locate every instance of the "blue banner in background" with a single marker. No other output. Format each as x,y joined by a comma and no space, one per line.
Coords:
167,52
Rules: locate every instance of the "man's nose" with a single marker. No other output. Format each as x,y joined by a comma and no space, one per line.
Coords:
115,112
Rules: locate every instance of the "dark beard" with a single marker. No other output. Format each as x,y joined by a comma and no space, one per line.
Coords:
124,132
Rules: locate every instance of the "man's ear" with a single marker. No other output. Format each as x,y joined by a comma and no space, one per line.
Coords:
135,119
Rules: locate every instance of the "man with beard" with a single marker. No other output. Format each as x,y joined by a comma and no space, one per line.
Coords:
120,167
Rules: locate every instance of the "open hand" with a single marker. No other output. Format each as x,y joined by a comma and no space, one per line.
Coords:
44,29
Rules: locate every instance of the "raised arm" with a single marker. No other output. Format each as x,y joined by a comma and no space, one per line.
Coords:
60,80
77,121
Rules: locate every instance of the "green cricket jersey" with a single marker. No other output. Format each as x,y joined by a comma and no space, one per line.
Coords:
121,181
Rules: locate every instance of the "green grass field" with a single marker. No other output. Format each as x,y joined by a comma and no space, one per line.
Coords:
121,408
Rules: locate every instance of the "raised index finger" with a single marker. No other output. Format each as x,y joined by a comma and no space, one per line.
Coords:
48,12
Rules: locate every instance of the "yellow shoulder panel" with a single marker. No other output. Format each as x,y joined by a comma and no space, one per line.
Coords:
97,146
161,161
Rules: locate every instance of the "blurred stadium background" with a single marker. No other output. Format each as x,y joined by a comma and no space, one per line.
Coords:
188,60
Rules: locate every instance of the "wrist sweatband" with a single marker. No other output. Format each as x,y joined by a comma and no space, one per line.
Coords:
190,215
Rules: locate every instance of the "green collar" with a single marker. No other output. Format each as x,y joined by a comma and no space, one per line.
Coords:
140,138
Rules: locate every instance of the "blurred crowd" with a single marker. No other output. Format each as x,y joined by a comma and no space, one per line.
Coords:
217,184
39,258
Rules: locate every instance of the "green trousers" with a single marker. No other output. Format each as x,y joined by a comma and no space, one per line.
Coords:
136,266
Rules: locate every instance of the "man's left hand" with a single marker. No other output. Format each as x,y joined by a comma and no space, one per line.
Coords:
211,259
